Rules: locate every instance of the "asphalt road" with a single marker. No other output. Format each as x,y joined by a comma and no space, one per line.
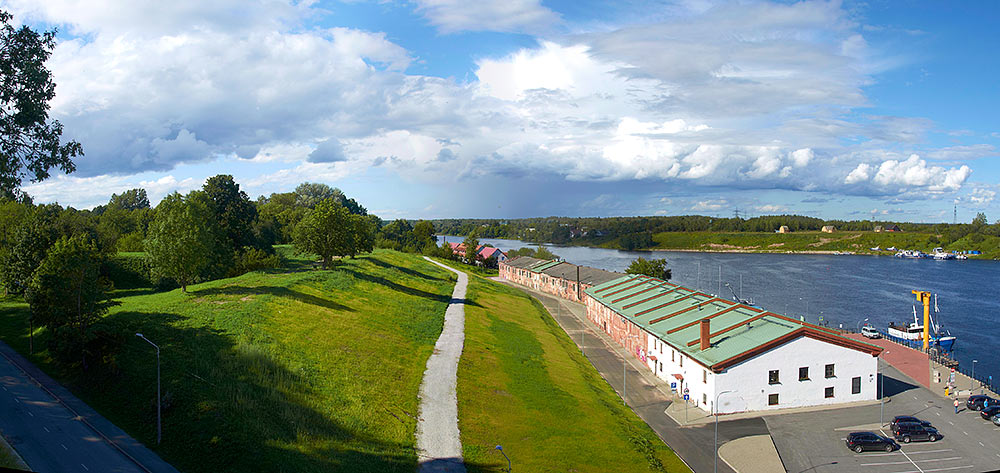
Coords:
694,444
814,441
46,434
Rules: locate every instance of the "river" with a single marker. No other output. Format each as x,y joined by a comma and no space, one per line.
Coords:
843,290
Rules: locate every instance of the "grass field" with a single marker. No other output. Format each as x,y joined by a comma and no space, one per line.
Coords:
287,370
853,241
523,384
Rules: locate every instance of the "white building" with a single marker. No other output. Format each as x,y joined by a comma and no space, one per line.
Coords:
704,345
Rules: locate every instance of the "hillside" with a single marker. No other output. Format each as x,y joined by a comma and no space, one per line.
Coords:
290,370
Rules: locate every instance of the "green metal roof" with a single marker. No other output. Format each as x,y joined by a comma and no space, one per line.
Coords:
673,313
543,266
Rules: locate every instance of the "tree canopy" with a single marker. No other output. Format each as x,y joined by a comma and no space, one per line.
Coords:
182,238
330,230
656,268
233,211
29,142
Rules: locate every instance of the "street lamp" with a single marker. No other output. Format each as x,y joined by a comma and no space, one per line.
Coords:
716,408
157,385
859,324
505,456
972,382
881,394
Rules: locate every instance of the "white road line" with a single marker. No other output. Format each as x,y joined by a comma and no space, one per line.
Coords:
950,422
911,461
30,414
981,444
938,413
914,462
949,468
930,451
47,429
64,447
85,467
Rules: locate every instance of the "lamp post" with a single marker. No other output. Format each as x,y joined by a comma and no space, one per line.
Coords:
716,409
972,382
859,324
505,456
881,395
157,385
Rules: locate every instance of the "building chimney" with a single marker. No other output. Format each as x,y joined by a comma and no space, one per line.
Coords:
705,331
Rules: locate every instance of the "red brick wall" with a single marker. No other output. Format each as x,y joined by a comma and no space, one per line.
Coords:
626,334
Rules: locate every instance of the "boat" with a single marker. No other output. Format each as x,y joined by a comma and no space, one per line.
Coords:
913,331
940,255
942,339
911,254
891,248
961,257
875,249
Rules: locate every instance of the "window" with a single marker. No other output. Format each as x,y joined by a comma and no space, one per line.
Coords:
829,371
804,373
829,392
661,368
682,361
772,377
772,399
704,398
856,385
671,356
704,376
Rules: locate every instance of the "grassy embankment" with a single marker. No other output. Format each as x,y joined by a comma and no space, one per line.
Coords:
285,370
853,241
523,384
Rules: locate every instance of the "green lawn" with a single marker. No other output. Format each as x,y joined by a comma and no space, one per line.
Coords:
523,384
285,370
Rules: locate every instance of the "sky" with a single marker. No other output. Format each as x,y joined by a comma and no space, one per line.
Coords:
522,108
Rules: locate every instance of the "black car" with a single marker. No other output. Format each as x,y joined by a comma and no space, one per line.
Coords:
975,402
861,441
909,431
910,419
990,411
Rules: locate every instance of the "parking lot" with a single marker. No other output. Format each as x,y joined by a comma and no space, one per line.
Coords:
814,441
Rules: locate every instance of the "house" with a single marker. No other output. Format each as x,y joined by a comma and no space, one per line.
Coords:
878,229
893,228
558,278
707,346
492,256
784,229
828,229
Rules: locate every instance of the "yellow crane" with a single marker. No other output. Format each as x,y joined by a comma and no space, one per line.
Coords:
925,298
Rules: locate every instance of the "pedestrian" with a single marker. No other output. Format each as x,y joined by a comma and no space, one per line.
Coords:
956,405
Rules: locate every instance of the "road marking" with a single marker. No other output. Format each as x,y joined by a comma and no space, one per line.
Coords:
64,447
950,422
949,468
964,432
911,461
85,467
46,429
938,413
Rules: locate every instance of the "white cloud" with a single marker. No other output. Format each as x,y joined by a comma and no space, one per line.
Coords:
771,208
982,196
914,172
859,174
710,205
451,16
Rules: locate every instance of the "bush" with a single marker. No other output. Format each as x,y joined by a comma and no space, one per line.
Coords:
129,271
131,242
254,259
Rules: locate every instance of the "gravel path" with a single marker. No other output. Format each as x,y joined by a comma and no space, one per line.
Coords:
438,441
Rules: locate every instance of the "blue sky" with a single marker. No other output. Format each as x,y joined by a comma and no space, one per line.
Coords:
518,108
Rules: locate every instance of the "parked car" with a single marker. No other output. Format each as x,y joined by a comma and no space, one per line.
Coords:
861,441
910,431
989,412
996,419
909,419
870,332
975,402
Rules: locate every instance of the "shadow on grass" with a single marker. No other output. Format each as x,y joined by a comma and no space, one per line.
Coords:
137,291
228,406
405,289
277,291
382,264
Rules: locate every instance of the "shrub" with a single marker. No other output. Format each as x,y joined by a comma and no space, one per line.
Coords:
129,271
131,242
254,259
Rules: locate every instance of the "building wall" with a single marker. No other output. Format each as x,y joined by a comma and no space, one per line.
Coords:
625,334
698,379
750,378
559,287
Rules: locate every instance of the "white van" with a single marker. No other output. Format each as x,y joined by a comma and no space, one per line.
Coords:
870,332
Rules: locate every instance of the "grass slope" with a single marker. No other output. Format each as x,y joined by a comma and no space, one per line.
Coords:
523,384
291,370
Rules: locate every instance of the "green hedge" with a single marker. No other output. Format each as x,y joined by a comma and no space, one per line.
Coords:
129,271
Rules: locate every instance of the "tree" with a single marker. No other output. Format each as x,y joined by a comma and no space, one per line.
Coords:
310,194
182,238
132,199
325,231
67,294
544,253
656,268
31,240
423,232
233,211
471,246
29,142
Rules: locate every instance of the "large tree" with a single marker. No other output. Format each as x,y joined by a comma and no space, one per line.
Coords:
310,194
656,268
29,243
326,231
132,199
67,295
182,238
233,210
29,141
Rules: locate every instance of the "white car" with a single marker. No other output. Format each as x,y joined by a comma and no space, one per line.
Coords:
870,332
